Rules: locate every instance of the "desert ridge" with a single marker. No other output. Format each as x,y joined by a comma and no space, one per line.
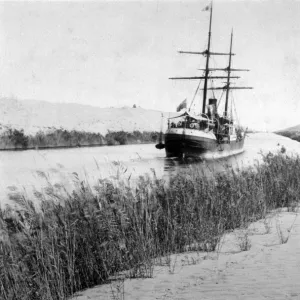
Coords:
33,116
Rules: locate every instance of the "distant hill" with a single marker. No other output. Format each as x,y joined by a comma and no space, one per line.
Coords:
291,132
291,129
33,116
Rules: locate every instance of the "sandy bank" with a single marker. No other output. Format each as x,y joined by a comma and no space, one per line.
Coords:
270,269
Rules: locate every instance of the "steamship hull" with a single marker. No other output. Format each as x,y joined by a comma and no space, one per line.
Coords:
199,144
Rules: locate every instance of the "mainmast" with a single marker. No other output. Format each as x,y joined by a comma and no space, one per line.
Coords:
206,76
228,77
207,64
227,86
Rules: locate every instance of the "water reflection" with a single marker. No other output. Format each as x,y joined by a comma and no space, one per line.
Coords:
174,165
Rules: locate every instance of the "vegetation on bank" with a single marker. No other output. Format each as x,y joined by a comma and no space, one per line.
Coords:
123,138
78,240
294,135
17,139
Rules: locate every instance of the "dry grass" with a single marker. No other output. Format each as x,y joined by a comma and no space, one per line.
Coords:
284,235
75,241
244,241
117,286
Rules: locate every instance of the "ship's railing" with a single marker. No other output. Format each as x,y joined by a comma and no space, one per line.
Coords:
190,123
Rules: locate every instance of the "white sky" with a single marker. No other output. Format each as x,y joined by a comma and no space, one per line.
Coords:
116,53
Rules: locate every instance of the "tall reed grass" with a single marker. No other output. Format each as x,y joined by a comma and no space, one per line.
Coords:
74,241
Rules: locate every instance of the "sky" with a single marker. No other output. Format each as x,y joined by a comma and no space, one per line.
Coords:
121,53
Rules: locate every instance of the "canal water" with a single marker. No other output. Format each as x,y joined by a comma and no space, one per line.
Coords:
34,169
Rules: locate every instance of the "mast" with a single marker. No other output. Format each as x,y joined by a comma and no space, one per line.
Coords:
207,63
207,70
228,76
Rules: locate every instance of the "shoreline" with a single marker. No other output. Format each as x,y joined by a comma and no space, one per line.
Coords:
17,140
268,268
70,147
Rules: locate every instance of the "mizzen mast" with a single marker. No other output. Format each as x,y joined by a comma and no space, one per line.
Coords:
228,86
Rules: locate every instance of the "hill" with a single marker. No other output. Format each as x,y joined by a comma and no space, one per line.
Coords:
291,132
33,116
291,129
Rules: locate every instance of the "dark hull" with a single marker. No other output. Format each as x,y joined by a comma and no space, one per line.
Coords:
177,145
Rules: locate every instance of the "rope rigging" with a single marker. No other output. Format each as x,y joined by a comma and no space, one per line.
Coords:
220,99
233,104
195,94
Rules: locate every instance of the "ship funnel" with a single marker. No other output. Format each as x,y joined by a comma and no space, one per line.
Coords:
212,107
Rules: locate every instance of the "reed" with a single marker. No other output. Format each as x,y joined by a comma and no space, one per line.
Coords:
13,139
70,242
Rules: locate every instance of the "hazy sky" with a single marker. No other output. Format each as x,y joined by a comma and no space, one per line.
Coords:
116,53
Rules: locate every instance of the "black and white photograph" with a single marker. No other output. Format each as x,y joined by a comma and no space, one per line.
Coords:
149,149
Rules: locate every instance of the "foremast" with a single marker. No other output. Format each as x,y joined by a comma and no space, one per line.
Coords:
207,70
228,77
207,63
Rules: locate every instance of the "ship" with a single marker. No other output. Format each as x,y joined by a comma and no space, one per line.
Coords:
207,133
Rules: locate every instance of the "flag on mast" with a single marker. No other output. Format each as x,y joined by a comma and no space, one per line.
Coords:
182,105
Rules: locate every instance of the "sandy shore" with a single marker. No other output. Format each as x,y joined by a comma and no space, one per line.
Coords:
269,269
